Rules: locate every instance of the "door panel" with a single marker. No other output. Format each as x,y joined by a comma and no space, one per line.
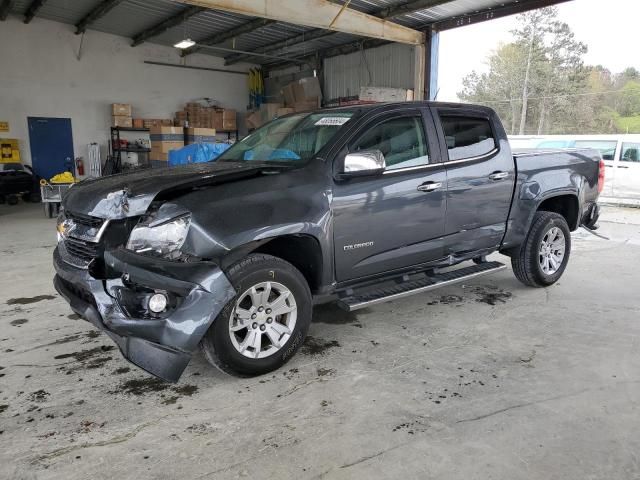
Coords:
480,182
386,223
627,168
51,142
396,219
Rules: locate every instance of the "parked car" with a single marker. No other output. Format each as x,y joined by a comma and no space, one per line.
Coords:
621,155
17,180
355,205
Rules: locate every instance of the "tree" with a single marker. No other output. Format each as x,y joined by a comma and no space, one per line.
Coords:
533,75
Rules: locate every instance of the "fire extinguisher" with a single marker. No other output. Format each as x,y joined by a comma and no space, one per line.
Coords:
79,167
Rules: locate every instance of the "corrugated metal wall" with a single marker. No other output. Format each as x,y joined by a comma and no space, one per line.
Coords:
387,66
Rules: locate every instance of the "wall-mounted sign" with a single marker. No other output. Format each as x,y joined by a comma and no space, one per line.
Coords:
4,126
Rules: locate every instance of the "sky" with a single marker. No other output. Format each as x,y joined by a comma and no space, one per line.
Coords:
608,28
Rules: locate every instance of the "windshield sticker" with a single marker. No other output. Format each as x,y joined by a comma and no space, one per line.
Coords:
332,121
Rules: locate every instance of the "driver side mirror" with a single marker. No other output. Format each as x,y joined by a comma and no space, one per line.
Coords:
366,162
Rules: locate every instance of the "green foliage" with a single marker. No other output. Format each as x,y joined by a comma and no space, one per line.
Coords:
628,124
538,83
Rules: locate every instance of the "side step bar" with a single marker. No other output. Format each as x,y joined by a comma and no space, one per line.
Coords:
356,301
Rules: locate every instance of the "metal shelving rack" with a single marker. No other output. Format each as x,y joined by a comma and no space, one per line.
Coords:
114,162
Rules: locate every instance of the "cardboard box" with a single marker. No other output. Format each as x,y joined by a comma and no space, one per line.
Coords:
121,109
288,94
166,122
253,120
282,111
309,89
122,121
165,138
306,106
159,156
268,111
384,94
199,135
229,120
138,123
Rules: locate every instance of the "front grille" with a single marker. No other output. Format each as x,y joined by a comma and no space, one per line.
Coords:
86,220
86,251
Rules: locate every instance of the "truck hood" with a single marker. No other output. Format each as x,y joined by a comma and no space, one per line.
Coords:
130,194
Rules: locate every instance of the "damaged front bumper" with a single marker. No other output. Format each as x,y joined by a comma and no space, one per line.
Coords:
160,344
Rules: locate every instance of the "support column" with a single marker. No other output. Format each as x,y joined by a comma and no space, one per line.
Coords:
429,64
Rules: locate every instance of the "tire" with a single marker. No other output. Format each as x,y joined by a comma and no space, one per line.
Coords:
34,197
3,199
258,270
13,199
528,261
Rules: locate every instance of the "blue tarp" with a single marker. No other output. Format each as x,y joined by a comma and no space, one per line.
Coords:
196,153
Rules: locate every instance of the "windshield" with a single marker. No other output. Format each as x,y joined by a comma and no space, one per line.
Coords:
294,139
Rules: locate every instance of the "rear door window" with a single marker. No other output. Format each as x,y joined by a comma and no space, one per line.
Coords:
630,152
467,137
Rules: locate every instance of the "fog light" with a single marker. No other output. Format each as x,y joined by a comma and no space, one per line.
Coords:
157,302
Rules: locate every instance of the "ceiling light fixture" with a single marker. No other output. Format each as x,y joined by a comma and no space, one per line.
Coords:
184,44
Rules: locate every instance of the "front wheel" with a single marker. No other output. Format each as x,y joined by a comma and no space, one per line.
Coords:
543,257
263,326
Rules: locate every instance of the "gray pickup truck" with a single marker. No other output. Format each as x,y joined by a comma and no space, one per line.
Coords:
356,205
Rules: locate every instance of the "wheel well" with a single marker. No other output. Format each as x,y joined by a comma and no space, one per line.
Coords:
302,251
565,205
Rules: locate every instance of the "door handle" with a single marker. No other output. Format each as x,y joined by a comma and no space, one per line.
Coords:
622,166
499,175
429,186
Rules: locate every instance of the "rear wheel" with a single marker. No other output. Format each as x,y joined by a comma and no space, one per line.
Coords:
543,257
265,323
13,199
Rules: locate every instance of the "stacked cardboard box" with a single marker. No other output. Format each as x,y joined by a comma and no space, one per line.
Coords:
121,115
303,95
199,135
163,140
195,115
385,94
156,122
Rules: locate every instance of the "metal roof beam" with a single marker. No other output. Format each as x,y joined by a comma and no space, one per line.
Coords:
166,24
98,12
5,8
33,10
343,49
318,14
282,45
385,13
408,8
498,12
231,33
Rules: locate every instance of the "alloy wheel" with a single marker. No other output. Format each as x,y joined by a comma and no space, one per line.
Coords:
263,319
552,249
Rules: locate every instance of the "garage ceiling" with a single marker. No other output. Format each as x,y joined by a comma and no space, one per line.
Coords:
166,22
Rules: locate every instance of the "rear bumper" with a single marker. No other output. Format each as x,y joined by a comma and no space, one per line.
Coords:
591,216
161,346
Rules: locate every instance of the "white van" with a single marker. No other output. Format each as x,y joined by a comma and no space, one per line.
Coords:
621,155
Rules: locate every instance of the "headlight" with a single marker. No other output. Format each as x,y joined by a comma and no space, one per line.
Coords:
160,238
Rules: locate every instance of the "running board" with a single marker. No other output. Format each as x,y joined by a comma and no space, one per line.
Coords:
356,301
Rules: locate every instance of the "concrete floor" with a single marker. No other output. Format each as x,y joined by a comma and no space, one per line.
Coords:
485,380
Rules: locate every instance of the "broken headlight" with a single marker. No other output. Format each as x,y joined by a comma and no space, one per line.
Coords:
160,237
